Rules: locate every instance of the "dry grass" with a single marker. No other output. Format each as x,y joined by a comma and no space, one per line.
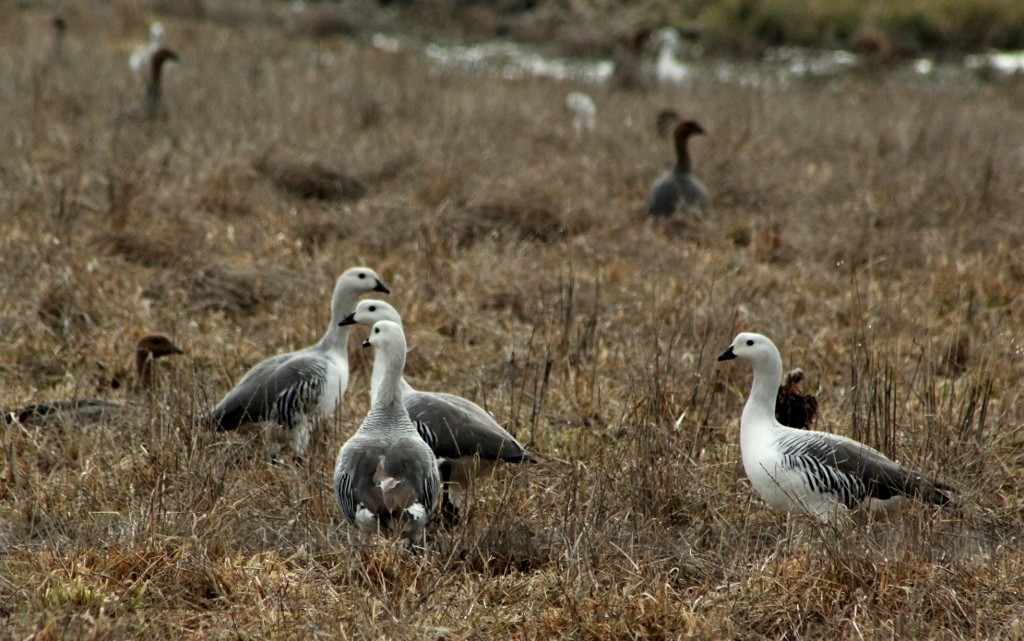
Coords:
867,224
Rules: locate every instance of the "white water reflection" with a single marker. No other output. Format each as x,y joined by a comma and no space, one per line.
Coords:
514,61
779,66
1008,62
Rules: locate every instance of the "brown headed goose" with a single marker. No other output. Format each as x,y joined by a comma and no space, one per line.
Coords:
147,351
809,472
467,441
678,188
792,406
296,390
386,479
148,108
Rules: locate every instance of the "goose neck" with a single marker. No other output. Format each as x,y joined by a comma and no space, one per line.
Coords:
759,410
683,165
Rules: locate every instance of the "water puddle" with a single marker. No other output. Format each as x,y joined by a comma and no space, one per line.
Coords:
779,67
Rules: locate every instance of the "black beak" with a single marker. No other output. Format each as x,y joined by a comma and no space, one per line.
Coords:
366,343
176,350
381,287
727,355
348,320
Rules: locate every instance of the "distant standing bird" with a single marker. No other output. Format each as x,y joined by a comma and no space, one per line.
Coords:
678,187
297,390
668,69
87,410
138,61
583,110
809,472
792,406
467,441
148,107
60,28
386,479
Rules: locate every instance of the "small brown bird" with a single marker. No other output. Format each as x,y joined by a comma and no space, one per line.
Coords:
793,408
88,410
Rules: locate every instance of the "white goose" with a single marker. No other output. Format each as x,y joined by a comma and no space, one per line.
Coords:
386,479
298,389
467,441
811,472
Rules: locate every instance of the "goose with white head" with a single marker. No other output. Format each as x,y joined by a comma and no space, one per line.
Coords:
297,390
467,441
386,479
810,472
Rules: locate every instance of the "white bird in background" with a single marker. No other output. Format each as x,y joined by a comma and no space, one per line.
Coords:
583,110
667,68
139,61
809,472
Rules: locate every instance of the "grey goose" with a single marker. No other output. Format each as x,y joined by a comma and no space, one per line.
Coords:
386,479
296,390
466,439
679,187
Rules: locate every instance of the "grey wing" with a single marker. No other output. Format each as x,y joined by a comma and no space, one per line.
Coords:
353,480
693,191
663,197
345,495
430,491
459,427
283,388
857,472
301,398
250,400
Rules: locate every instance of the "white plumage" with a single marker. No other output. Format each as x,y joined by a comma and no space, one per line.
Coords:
811,472
583,110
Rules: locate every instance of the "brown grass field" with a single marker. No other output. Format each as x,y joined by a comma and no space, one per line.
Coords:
870,224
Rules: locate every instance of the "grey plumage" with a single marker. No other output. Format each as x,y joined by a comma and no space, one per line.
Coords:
386,479
297,390
854,472
678,187
458,431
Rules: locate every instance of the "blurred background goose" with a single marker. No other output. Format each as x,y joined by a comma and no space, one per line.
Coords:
678,188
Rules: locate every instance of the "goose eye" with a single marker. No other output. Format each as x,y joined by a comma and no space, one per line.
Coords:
362,275
376,330
373,308
750,341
